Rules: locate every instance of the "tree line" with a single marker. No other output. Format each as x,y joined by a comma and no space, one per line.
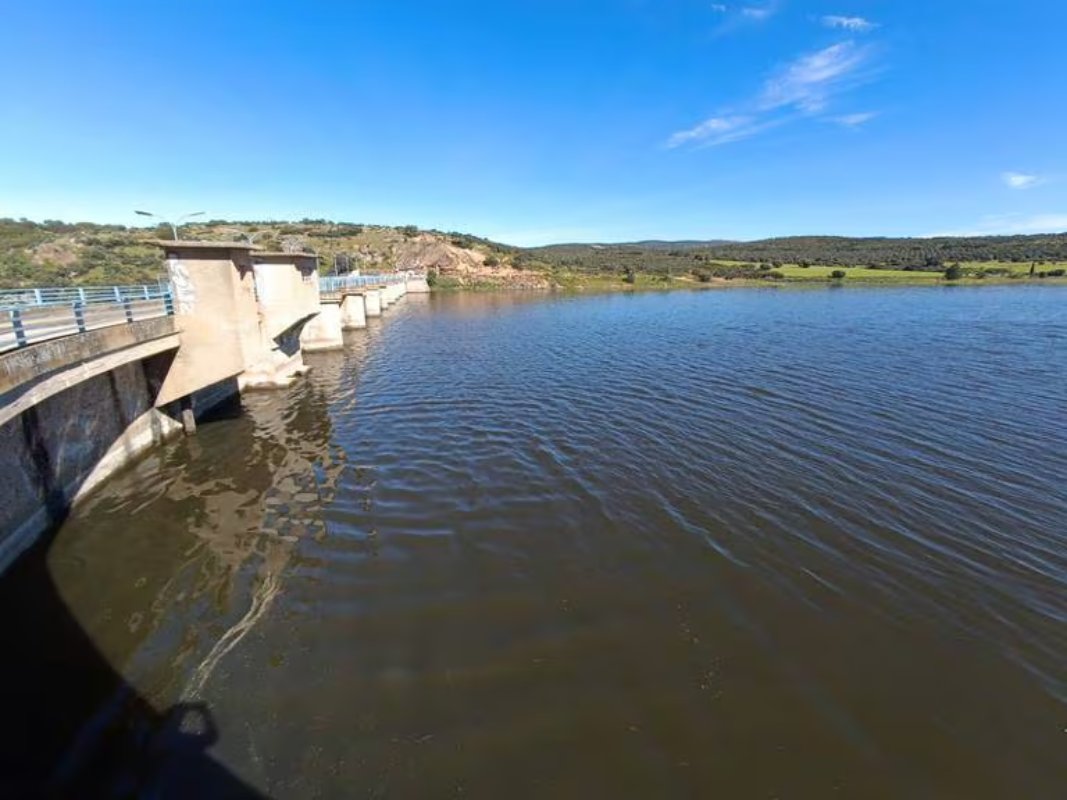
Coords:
60,253
933,255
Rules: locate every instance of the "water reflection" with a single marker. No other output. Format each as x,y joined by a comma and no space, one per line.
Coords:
679,545
156,607
75,726
225,522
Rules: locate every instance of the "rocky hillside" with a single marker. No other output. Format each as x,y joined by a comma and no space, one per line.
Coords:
57,254
452,261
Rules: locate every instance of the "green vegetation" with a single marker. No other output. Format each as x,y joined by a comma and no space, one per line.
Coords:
54,253
441,283
832,251
865,274
57,253
803,259
962,271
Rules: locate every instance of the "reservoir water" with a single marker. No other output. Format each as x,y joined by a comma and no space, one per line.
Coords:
739,544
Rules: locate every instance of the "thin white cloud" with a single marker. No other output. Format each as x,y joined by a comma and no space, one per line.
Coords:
803,87
758,13
712,128
854,24
1020,180
737,18
722,130
856,120
808,82
1009,224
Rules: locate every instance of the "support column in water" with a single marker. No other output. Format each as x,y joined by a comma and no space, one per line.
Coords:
353,311
372,301
416,286
287,295
216,310
323,331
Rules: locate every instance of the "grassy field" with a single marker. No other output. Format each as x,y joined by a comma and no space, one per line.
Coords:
792,274
971,270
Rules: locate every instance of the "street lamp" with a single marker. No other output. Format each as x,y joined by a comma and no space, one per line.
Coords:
173,225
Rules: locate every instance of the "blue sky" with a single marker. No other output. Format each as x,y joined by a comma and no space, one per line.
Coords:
541,121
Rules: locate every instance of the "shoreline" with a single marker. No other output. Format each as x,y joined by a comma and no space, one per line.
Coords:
618,286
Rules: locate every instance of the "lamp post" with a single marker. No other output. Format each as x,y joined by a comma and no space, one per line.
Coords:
173,225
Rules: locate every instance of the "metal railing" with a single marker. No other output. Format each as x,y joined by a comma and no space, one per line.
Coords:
28,316
330,284
68,295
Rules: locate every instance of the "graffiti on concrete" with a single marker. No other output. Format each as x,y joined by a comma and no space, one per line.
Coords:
184,290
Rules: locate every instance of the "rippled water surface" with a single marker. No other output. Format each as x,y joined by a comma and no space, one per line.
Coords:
737,544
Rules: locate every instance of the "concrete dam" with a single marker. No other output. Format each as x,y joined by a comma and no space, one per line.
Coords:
91,378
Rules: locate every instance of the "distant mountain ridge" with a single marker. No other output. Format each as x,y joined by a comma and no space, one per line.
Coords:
876,251
649,244
697,244
59,253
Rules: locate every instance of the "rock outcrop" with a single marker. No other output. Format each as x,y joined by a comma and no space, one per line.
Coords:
462,266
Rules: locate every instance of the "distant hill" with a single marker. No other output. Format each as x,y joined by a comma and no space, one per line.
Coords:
59,253
651,244
876,252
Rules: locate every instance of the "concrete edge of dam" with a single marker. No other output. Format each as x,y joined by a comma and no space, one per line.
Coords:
78,408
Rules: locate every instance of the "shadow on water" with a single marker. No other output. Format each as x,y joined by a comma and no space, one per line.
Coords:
75,723
75,727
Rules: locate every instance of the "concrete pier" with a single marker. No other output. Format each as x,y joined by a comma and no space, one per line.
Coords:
386,295
416,286
353,311
287,295
216,310
324,331
372,299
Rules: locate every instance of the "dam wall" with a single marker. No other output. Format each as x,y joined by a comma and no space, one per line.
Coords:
65,431
77,407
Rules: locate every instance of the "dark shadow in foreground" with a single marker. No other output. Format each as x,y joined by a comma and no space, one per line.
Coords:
73,727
